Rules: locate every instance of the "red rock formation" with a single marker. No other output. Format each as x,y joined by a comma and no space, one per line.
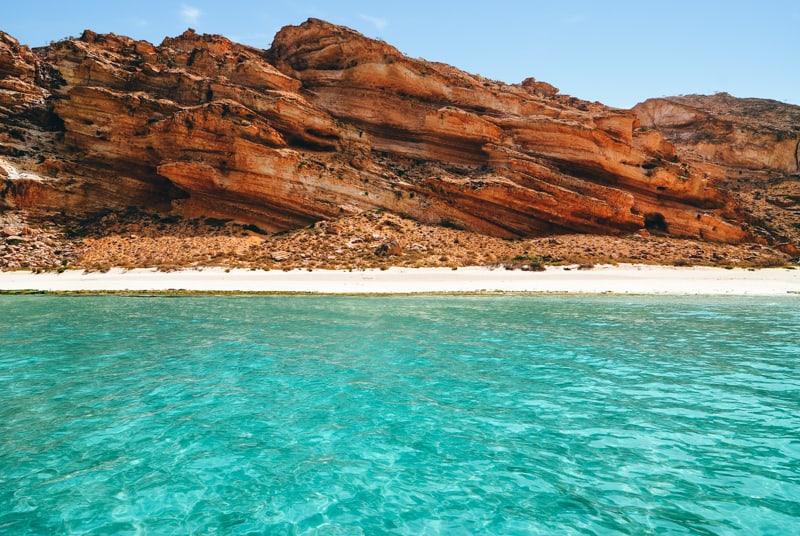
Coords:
329,122
749,147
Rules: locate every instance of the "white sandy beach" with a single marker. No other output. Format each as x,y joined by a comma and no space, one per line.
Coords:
622,279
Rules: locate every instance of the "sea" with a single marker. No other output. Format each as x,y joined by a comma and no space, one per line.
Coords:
501,414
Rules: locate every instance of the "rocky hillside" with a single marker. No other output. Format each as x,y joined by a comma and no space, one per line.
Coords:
328,123
749,147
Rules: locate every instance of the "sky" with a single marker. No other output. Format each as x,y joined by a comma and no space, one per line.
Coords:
618,52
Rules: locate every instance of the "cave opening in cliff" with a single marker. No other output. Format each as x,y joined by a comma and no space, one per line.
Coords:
655,221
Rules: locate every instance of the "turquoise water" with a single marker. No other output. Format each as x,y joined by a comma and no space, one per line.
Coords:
417,415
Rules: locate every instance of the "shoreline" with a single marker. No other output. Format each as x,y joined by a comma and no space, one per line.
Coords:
602,279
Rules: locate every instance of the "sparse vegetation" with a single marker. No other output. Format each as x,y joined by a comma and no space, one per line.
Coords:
134,239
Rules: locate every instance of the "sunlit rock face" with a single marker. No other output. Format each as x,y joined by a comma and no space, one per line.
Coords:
328,122
749,147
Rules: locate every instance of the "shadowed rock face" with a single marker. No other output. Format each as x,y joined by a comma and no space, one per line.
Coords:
328,122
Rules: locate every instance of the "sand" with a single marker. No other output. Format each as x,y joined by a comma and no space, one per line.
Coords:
621,279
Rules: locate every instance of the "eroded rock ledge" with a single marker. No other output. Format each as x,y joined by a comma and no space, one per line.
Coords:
328,123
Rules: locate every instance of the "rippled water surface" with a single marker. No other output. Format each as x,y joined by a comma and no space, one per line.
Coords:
418,415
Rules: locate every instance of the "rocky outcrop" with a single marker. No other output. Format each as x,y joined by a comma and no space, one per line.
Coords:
752,134
24,83
749,147
328,122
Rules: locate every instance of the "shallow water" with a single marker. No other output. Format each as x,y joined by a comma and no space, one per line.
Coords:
414,415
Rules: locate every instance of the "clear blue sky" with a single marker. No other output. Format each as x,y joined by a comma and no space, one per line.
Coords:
618,52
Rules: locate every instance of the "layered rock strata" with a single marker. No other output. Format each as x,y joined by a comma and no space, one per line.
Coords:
328,122
748,147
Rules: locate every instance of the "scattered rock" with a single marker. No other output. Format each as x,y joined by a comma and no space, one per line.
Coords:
532,267
280,256
389,248
170,243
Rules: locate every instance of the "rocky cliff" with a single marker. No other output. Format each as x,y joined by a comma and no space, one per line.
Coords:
748,147
328,122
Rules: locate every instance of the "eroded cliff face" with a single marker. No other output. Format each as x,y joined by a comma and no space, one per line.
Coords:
328,122
749,147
